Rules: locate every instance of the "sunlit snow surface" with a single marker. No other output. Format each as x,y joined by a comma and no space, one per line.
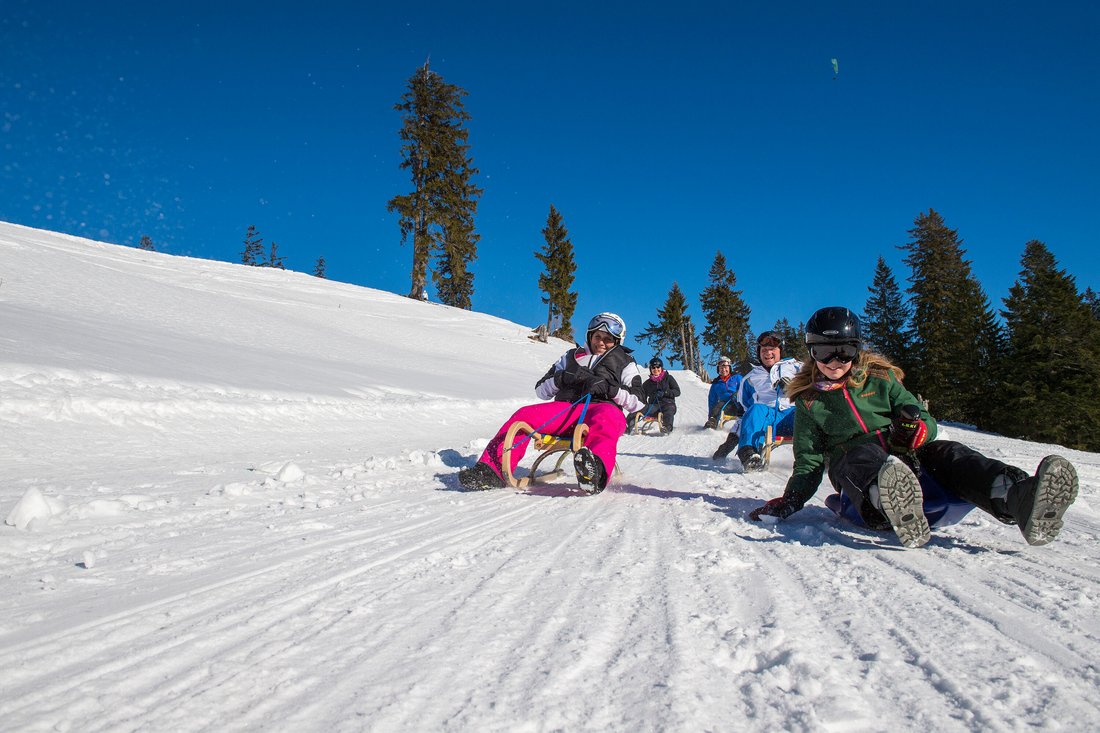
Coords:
237,510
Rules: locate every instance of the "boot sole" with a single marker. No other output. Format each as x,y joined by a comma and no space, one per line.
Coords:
586,473
1056,489
903,503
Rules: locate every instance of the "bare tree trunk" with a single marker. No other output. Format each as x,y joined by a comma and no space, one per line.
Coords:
421,249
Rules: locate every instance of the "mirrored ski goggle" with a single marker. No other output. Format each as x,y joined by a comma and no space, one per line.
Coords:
769,341
824,353
613,326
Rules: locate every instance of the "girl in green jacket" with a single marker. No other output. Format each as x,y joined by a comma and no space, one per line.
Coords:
854,418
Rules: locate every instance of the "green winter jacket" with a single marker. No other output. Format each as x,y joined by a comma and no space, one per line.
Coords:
827,424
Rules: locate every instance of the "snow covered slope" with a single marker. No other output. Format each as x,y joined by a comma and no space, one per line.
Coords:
236,508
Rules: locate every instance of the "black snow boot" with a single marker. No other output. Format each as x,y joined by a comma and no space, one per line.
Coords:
1038,502
590,471
479,477
902,501
726,448
750,459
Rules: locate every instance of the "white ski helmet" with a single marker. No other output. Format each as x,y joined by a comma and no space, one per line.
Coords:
608,322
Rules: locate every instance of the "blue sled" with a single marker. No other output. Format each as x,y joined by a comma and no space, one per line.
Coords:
941,507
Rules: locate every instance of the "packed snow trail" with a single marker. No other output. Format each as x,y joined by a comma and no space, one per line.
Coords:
269,536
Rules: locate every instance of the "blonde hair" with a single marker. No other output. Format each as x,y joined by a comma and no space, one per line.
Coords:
869,364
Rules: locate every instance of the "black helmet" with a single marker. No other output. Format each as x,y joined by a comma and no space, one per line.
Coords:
656,363
769,337
834,333
834,325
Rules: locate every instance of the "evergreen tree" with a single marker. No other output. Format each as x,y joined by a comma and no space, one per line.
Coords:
253,248
439,212
956,341
451,276
725,313
1092,299
1053,357
557,257
673,331
147,244
794,341
273,258
886,317
319,268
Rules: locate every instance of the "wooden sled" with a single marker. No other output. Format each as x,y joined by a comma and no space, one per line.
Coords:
547,445
647,424
771,441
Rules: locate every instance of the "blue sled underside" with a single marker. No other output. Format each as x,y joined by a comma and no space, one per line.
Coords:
941,507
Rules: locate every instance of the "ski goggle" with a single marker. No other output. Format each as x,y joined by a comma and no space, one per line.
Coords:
607,322
770,341
844,353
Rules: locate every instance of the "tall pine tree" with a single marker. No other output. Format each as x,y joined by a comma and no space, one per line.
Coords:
673,332
1053,357
886,317
725,313
438,214
557,257
956,341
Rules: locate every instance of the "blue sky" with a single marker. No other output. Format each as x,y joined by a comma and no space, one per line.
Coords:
663,132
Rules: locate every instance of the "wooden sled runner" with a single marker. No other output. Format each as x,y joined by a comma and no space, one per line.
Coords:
648,424
547,445
772,441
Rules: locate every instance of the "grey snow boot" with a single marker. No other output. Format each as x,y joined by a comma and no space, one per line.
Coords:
902,502
1038,502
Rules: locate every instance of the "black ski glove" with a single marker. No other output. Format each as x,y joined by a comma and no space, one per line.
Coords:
576,377
601,389
908,432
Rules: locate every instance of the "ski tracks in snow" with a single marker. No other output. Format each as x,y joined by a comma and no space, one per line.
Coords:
372,594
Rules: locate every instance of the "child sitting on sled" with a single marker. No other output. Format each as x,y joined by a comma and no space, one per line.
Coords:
603,370
853,414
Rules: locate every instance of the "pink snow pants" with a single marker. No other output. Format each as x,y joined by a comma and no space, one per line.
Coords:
605,423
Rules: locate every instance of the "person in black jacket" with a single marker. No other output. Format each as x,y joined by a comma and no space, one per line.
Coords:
661,392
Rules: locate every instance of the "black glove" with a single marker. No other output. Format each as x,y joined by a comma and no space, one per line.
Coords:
577,377
600,388
660,394
781,507
782,383
907,431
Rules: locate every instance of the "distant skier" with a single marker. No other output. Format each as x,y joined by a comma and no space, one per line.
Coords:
854,415
602,368
661,391
723,392
763,398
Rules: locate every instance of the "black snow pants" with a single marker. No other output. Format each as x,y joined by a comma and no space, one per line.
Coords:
958,468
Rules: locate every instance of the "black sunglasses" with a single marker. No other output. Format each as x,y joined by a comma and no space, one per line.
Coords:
844,353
